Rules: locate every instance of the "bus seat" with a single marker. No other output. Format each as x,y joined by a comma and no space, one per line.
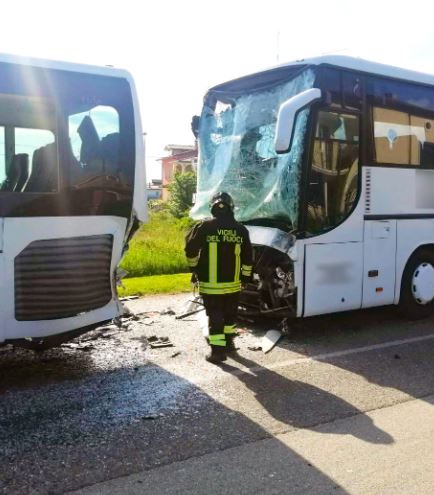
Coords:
18,173
44,174
90,142
22,160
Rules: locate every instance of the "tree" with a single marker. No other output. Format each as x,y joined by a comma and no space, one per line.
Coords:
182,188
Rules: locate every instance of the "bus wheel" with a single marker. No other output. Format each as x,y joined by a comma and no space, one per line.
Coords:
417,286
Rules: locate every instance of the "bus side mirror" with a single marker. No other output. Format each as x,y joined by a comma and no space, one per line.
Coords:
286,118
195,121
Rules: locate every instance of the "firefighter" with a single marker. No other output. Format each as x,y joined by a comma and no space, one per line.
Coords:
219,254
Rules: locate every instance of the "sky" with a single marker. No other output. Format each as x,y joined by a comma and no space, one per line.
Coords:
177,50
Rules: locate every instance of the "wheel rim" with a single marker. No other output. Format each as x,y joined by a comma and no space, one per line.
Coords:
422,284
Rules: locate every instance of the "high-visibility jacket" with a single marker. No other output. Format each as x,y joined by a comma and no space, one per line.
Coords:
218,250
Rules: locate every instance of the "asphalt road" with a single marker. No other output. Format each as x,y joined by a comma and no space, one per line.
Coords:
342,406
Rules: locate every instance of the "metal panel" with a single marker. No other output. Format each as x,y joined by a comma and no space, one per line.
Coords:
333,277
59,278
271,237
379,263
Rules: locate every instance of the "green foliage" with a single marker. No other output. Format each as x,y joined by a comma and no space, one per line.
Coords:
182,188
158,246
157,205
156,284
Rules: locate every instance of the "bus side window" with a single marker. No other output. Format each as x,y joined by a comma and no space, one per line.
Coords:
403,139
94,138
42,163
333,180
29,159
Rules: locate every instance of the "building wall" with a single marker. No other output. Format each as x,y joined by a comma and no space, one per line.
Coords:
180,162
153,193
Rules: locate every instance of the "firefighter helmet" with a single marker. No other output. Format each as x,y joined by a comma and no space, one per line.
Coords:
222,198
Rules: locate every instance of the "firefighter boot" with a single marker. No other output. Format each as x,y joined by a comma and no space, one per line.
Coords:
216,355
230,334
230,344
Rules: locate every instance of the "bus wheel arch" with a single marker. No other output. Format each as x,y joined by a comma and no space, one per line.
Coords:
417,284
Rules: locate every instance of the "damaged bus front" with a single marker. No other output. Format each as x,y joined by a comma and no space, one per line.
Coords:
241,153
71,195
330,163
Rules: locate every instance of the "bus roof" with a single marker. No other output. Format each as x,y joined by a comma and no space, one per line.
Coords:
361,65
66,66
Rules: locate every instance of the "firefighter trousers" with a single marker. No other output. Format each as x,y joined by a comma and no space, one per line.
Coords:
222,313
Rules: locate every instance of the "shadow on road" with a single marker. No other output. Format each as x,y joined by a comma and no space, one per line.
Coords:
405,367
63,435
64,424
302,405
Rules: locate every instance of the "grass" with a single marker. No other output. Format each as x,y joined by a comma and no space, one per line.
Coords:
155,260
156,284
158,247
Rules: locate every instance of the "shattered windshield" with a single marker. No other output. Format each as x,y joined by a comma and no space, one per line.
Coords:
236,142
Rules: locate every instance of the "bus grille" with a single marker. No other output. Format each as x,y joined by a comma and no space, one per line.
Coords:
59,278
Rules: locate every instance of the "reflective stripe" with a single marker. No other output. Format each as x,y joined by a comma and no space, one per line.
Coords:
237,262
220,285
218,339
229,329
246,268
219,291
219,288
213,262
192,261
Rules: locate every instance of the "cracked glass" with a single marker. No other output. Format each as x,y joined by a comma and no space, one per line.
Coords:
236,143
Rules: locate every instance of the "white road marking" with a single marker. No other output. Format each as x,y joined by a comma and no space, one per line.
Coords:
330,355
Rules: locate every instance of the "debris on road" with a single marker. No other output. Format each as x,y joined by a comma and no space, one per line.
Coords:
82,346
147,323
157,342
176,353
254,348
167,311
153,416
285,327
191,307
128,298
270,339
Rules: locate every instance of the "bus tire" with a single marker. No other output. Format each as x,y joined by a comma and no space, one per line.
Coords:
417,286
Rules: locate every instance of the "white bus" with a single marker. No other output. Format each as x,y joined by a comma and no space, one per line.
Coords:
330,162
72,186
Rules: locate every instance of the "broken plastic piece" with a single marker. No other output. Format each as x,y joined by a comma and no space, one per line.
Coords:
156,342
270,339
191,307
